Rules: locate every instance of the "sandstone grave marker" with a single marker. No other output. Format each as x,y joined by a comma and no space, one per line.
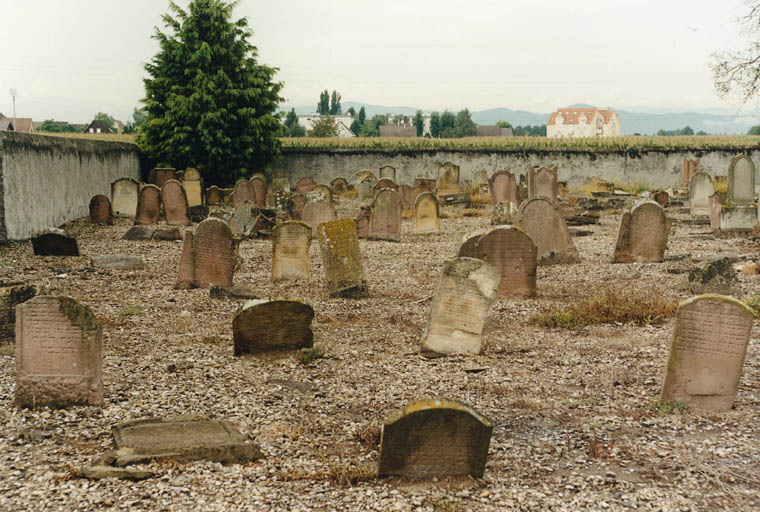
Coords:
290,251
124,196
148,205
690,168
305,184
642,234
385,222
700,190
448,179
542,181
317,212
243,219
426,213
243,192
192,182
740,211
362,175
174,200
504,212
366,189
342,259
339,185
100,210
512,253
543,222
259,190
161,175
214,195
208,256
503,187
272,325
388,171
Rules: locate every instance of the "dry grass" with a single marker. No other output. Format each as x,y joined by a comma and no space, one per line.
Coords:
611,307
480,197
111,137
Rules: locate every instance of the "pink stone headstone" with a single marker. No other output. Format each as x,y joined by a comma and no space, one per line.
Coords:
100,210
148,205
174,200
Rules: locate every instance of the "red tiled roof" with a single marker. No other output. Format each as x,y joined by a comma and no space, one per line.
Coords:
571,115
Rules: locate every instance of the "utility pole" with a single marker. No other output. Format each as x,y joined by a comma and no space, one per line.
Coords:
13,95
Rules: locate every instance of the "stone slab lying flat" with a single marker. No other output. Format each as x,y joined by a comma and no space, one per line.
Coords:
99,472
116,262
184,439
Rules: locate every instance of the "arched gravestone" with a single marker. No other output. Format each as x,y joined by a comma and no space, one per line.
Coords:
148,205
661,197
192,182
512,253
642,235
305,184
542,181
317,212
461,304
469,244
161,175
385,183
325,191
259,191
700,190
124,196
100,210
243,192
175,204
543,222
479,179
740,211
342,259
272,325
363,175
388,172
385,223
260,176
214,195
707,352
435,438
448,179
339,185
208,256
503,187
243,219
54,242
290,251
58,353
426,215
366,189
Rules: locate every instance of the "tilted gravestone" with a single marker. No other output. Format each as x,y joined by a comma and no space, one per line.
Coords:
317,212
512,253
214,195
100,210
192,182
448,179
124,196
148,205
339,185
243,219
389,172
426,214
717,276
363,175
54,242
305,184
259,190
542,181
208,256
545,225
243,192
58,353
642,234
504,212
462,301
707,352
385,222
290,251
342,259
740,210
503,187
174,200
272,325
435,438
700,190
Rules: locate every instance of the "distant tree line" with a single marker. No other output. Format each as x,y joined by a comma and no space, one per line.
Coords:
755,130
524,131
686,130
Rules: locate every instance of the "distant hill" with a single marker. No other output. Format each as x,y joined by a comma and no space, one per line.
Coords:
632,122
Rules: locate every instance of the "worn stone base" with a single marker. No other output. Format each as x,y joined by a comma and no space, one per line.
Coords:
738,218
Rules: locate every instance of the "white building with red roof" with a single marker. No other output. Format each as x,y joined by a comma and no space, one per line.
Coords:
583,122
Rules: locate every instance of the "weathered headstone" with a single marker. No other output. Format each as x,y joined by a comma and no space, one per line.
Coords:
208,256
363,175
661,197
642,234
339,185
716,207
385,183
116,262
545,225
504,212
740,210
305,184
58,353
466,290
192,182
503,187
259,190
542,181
363,221
243,192
11,295
366,190
385,223
717,276
389,172
296,205
700,190
426,214
707,352
290,251
54,242
124,196
243,219
435,438
161,175
272,325
148,205
174,200
139,232
317,212
468,249
100,210
426,183
448,179
342,259
214,195
512,253
690,168
407,201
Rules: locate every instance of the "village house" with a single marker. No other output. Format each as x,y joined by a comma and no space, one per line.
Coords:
583,122
340,122
17,124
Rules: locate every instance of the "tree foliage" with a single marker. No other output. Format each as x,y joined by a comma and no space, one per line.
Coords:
351,111
435,124
755,130
504,124
737,73
51,126
209,104
323,127
133,125
529,131
362,115
335,108
686,130
419,123
323,107
102,116
292,128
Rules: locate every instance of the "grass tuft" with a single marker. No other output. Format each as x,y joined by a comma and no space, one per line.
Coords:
308,355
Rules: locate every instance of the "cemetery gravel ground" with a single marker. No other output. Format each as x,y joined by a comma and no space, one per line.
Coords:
577,424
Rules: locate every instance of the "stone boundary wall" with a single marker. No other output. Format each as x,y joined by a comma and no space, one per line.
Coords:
46,181
654,168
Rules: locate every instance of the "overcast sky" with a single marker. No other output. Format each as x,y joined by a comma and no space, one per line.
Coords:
69,59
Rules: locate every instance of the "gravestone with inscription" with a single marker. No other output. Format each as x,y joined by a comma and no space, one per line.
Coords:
462,301
503,187
290,251
148,205
124,196
385,222
192,182
100,210
510,250
642,234
542,181
388,171
174,200
448,179
700,190
342,259
208,256
544,223
426,214
58,353
339,185
305,184
259,190
317,212
435,438
707,352
161,175
740,210
272,325
243,192
469,244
